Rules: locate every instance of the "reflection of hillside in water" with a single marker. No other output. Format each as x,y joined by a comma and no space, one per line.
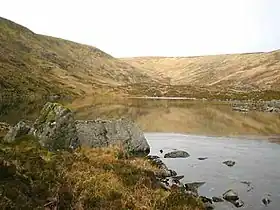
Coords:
185,117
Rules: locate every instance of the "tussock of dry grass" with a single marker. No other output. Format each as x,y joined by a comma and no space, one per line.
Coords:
103,178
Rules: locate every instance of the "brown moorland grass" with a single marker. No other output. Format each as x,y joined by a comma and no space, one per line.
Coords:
103,178
249,71
35,63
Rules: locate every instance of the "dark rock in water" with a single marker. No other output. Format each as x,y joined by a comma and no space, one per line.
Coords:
202,158
229,163
217,199
230,195
238,203
20,129
266,201
194,184
161,151
246,182
123,132
177,154
249,185
55,128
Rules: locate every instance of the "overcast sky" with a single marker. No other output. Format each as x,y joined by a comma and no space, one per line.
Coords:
126,28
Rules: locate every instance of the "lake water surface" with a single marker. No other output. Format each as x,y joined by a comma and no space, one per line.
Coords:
257,162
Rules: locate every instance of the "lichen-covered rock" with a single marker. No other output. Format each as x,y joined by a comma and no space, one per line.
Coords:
100,133
55,128
20,129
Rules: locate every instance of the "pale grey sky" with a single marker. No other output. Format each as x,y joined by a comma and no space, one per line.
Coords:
126,28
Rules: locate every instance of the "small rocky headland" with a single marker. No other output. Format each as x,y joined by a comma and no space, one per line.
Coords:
57,162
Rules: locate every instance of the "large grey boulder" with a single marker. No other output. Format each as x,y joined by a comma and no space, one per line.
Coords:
123,132
55,128
20,129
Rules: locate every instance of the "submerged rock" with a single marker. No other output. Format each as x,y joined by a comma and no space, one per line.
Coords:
122,132
177,154
20,129
229,163
202,158
266,201
249,185
230,195
238,203
55,128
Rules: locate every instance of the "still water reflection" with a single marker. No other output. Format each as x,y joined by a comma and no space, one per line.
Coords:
197,117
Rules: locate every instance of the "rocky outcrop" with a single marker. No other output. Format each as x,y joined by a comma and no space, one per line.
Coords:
20,129
100,133
55,128
164,172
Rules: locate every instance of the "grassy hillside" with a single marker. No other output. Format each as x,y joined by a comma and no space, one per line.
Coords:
252,71
33,67
36,64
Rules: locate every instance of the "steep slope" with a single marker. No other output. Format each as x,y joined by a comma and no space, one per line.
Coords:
32,64
239,71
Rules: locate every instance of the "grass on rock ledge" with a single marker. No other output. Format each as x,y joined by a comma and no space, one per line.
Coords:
101,178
